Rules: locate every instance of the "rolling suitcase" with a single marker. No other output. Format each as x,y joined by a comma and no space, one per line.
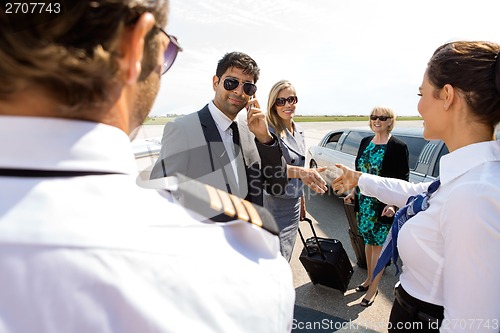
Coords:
325,261
357,242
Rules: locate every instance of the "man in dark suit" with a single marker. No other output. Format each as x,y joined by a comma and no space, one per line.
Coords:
242,158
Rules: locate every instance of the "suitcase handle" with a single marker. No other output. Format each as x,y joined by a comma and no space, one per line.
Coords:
315,238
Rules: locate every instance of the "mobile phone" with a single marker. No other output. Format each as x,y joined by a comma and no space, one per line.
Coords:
250,105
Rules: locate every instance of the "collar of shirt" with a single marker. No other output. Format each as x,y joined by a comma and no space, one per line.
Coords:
458,162
295,138
61,144
295,141
221,120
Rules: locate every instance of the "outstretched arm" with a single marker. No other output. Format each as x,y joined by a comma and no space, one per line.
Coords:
347,180
309,176
389,190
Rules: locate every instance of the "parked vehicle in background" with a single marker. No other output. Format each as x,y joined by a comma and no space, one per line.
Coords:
338,146
146,153
341,146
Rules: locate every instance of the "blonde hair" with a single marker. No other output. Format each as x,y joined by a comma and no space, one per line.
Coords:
385,111
272,114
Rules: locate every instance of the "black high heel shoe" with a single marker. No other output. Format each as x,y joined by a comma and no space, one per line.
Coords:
362,288
366,303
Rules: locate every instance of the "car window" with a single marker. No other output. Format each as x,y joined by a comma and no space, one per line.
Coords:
443,151
333,140
426,156
352,142
415,146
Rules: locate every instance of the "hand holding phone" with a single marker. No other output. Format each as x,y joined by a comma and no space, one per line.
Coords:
251,103
256,120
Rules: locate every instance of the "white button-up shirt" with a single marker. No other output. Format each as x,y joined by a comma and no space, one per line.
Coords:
223,124
450,251
100,254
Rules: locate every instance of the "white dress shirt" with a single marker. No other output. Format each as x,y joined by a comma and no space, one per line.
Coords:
223,124
100,254
450,251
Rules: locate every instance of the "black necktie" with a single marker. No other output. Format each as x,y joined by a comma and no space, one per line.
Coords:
236,134
240,168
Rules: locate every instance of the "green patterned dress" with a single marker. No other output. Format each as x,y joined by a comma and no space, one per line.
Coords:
372,231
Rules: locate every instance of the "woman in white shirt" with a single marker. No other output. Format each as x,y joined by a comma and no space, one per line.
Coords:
450,250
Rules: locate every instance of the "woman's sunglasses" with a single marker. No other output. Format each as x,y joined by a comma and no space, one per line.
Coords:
281,101
171,52
231,83
382,118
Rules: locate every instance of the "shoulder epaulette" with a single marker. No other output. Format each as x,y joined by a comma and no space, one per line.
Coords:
220,206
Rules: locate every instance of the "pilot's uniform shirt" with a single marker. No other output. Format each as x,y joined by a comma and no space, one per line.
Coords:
100,254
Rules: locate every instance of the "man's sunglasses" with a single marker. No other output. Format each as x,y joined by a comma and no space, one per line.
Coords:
382,118
231,83
281,101
171,52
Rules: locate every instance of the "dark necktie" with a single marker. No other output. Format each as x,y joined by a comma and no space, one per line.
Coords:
240,168
236,139
236,133
414,205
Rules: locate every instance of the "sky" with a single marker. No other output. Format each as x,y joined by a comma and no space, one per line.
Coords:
343,57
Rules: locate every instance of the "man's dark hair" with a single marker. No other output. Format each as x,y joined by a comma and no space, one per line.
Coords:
239,60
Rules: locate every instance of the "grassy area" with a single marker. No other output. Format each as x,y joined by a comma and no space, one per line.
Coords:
164,120
158,120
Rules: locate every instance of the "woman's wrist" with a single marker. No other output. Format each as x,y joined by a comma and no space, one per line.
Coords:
293,171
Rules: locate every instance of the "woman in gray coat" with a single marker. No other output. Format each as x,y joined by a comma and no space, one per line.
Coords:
289,208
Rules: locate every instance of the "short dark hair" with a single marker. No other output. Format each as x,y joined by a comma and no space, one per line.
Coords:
472,67
239,60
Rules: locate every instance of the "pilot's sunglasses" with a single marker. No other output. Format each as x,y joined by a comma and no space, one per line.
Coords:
171,52
281,101
382,118
231,83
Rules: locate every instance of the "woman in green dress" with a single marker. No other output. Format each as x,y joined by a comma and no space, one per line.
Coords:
383,155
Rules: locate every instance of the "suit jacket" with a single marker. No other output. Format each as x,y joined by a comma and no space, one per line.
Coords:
293,148
192,146
394,165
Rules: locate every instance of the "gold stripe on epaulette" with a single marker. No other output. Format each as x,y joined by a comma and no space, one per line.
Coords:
252,212
227,205
240,208
215,202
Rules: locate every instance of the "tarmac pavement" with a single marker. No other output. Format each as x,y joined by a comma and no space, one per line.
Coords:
327,309
323,309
